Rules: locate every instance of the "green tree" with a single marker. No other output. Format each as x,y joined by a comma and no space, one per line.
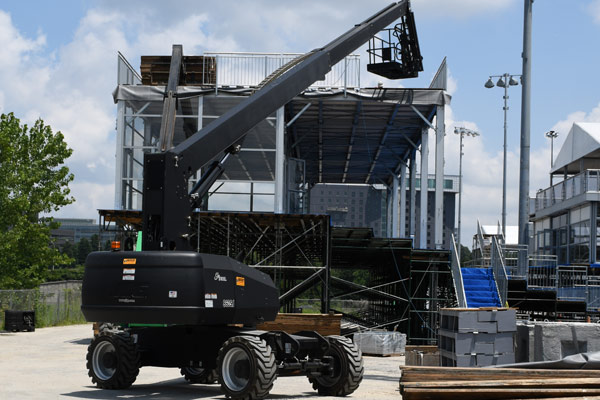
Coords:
83,249
465,255
33,182
94,242
68,249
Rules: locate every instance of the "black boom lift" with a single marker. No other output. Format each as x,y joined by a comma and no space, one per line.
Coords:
169,306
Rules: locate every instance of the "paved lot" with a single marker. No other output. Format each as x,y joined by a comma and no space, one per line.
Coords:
50,363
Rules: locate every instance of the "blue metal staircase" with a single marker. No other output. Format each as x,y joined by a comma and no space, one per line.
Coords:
480,287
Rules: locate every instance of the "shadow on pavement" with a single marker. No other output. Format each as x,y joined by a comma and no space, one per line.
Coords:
85,341
382,377
304,395
171,389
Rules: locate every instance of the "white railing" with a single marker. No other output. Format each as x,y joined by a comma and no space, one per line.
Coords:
459,288
541,273
481,249
512,254
250,69
500,275
572,282
501,236
593,294
586,181
541,277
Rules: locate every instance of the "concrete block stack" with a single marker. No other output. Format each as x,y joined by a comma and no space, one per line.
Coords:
381,343
477,337
550,341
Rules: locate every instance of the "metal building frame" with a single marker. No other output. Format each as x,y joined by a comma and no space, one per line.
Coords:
377,132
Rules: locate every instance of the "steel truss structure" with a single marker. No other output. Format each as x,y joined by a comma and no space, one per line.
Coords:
402,288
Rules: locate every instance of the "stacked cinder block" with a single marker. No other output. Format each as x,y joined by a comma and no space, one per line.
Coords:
381,343
477,337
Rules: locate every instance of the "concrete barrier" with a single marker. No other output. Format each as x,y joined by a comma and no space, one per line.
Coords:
549,341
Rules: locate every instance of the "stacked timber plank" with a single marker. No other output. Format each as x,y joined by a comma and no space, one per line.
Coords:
424,383
325,324
195,70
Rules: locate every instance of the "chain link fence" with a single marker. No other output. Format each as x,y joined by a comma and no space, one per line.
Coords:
55,303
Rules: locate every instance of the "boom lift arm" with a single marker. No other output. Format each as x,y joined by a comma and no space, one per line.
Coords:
168,203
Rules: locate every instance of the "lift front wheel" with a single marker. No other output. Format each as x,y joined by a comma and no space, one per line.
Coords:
113,361
246,368
347,369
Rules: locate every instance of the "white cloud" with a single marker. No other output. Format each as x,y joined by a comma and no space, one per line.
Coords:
70,90
89,197
564,126
459,8
482,172
452,85
594,10
21,71
189,32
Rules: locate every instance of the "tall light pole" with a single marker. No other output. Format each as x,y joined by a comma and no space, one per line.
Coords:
505,80
462,132
525,134
552,135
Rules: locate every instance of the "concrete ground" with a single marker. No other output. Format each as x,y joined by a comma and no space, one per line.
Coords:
50,363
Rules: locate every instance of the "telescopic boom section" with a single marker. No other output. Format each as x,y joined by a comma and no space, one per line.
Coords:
167,204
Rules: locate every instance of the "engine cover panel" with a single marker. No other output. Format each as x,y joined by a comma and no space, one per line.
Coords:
175,287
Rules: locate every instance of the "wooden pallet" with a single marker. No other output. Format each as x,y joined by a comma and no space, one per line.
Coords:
196,70
424,383
325,324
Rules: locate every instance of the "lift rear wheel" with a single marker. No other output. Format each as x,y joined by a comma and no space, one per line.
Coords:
347,369
113,361
246,368
199,375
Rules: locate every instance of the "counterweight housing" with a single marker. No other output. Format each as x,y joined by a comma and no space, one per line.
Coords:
175,287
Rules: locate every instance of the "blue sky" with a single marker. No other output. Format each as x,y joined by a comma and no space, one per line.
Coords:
59,63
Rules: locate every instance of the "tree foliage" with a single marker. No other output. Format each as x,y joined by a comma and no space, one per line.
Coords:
465,255
33,183
83,249
70,250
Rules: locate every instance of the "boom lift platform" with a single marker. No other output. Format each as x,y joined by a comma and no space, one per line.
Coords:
169,306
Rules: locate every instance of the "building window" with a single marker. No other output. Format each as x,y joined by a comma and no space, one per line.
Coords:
579,249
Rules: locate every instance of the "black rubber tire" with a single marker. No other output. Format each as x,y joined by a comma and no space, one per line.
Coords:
246,368
113,361
348,369
199,375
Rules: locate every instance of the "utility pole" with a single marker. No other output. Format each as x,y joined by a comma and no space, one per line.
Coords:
525,133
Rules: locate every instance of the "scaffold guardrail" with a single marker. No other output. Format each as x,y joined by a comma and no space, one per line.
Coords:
249,69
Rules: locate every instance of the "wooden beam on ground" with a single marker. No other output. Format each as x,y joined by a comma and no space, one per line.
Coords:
495,393
511,383
441,383
568,398
324,324
427,374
